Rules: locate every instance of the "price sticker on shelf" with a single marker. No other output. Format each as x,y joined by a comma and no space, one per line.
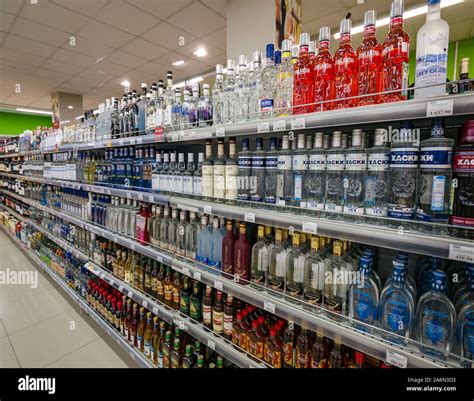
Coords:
310,227
130,294
102,276
207,209
109,192
120,142
174,136
138,141
263,127
396,360
249,217
461,253
218,285
197,276
186,271
129,195
220,131
155,310
111,282
140,197
120,288
211,344
145,304
180,323
182,135
439,108
269,306
192,134
151,198
132,355
298,123
279,125
133,247
108,144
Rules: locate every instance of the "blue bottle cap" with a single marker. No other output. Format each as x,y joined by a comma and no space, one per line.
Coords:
277,56
438,279
273,143
269,50
365,265
368,253
432,2
398,271
259,144
245,144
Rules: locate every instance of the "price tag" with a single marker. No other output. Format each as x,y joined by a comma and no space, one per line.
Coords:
174,136
298,123
269,306
111,282
145,304
180,324
102,276
279,125
218,285
108,144
197,276
250,217
130,294
220,131
207,209
263,127
138,141
438,108
151,198
120,288
397,360
155,310
129,195
211,344
109,192
186,271
140,197
114,239
461,253
121,142
192,134
310,227
133,247
159,259
181,135
132,355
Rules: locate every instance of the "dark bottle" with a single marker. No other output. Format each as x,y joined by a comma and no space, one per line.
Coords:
207,308
200,361
118,315
273,354
184,296
160,284
154,279
242,250
195,306
148,270
335,358
176,357
166,350
237,329
228,317
245,327
303,355
318,353
263,326
464,84
218,315
134,326
188,360
255,341
177,285
128,321
288,347
228,244
168,287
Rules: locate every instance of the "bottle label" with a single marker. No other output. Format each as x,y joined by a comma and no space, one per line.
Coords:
333,207
228,324
197,189
245,162
376,210
351,208
317,162
218,322
231,173
404,158
405,213
140,227
219,181
168,290
288,354
187,184
300,162
284,162
207,315
178,184
463,162
356,161
208,181
378,161
436,157
431,68
335,161
438,193
298,187
266,105
258,162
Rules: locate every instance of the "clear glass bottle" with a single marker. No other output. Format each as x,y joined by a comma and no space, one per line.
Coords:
335,163
245,169
180,172
278,263
299,170
316,174
215,246
188,176
241,112
219,172
284,82
197,176
313,281
231,172
335,289
181,234
217,95
204,241
168,100
173,231
208,173
260,260
284,189
255,72
271,172
192,231
205,108
229,95
267,89
163,242
295,270
257,181
160,106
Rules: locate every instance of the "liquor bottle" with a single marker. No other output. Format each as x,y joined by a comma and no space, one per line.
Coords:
145,346
295,270
241,89
162,174
192,107
127,320
188,360
191,233
166,350
316,174
242,256
403,175
171,173
181,234
207,308
134,326
289,346
345,64
176,356
173,231
369,62
335,357
218,315
204,240
323,68
271,171
284,187
377,181
229,95
155,339
254,85
277,269
184,296
335,164
464,326
217,95
228,317
200,362
355,175
436,157
168,288
335,291
197,176
255,340
299,169
432,54
215,246
176,291
177,109
303,352
208,173
303,79
318,352
313,280
267,89
284,82
463,168
187,176
228,244
395,57
231,172
244,170
195,305
179,174
142,104
160,284
464,84
163,235
204,108
435,319
257,188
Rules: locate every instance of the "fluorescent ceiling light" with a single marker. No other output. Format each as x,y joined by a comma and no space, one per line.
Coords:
406,15
70,107
64,122
125,83
99,60
201,52
178,62
77,118
49,113
189,81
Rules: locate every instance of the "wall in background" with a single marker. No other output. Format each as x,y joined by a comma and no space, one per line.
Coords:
16,123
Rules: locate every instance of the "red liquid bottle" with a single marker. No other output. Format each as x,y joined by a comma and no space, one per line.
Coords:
395,57
345,64
369,61
242,251
303,79
228,244
323,73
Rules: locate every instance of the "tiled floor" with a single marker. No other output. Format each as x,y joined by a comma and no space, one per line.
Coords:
42,327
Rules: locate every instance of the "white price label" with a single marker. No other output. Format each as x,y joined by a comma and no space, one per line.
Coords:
130,294
129,195
145,304
207,209
133,246
250,217
151,198
120,288
111,282
102,276
269,306
395,359
155,310
109,192
186,271
310,227
175,136
140,197
181,135
298,123
197,276
192,134
159,259
438,108
211,344
120,142
138,141
461,253
220,131
132,355
114,239
263,127
218,285
279,125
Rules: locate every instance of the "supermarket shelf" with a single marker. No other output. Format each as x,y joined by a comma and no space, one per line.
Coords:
112,332
10,155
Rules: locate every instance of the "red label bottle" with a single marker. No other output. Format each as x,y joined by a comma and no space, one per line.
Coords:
303,79
369,61
324,73
345,64
228,244
242,251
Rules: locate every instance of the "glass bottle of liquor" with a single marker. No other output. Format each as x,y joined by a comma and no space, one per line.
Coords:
303,79
335,293
197,176
154,279
271,172
289,346
228,244
295,270
215,246
231,172
267,89
188,176
217,95
160,284
178,177
184,297
257,187
316,174
176,357
208,173
218,315
176,289
200,361
242,253
299,170
219,172
204,240
205,111
173,231
181,234
284,82
163,239
134,326
284,178
324,73
191,234
255,340
260,259
188,360
278,262
464,84
244,169
241,88
207,308
318,352
274,350
237,329
303,352
195,305
168,287
313,282
336,357
228,317
229,95
147,336
166,350
335,163
127,320
155,338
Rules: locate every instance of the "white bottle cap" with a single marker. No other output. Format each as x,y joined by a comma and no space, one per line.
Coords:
396,10
230,65
173,157
336,139
200,157
166,157
242,61
324,33
370,17
304,39
346,26
285,142
181,157
190,157
318,140
301,141
357,137
219,69
285,46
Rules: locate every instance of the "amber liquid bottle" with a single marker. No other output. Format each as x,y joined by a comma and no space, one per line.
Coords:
207,308
237,329
228,244
288,347
184,297
245,329
118,316
242,251
318,353
256,340
303,354
168,288
166,350
273,352
160,284
177,285
134,326
147,336
176,356
335,358
155,338
128,322
147,283
154,279
195,305
228,317
218,315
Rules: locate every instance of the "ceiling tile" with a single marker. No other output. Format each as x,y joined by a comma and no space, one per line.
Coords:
198,68
156,69
197,19
108,34
78,84
42,33
3,35
136,77
126,59
47,13
220,59
192,47
42,103
28,46
218,39
127,17
313,10
11,6
167,35
87,7
110,68
162,8
144,48
219,6
92,77
6,21
18,56
19,99
68,56
8,65
91,47
54,75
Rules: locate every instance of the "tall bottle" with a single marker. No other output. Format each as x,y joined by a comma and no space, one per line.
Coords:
217,95
187,176
204,108
215,246
254,85
231,173
278,263
242,91
299,169
395,55
284,186
197,176
169,98
432,54
324,90
257,189
245,169
345,63
219,172
267,89
229,95
208,172
313,280
295,270
284,82
260,259
335,163
228,244
316,174
271,166
142,104
303,79
242,254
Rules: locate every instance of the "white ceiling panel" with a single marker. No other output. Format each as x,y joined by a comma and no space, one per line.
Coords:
53,75
6,21
167,35
20,68
313,10
108,34
11,6
93,77
212,61
20,57
154,68
189,50
198,68
42,33
18,99
110,68
42,103
197,19
217,39
126,59
68,56
92,47
28,46
219,6
144,48
78,84
161,8
3,35
86,7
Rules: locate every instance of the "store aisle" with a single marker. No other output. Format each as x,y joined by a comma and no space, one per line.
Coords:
42,327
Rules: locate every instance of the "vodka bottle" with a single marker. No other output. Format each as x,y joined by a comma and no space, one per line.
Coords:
188,176
377,182
284,82
188,115
345,63
197,176
316,174
142,109
150,109
134,117
178,177
436,156
177,109
436,319
299,167
192,234
355,175
115,120
181,234
277,269
397,308
215,246
313,282
335,287
267,89
303,79
260,259
170,176
254,81
160,106
173,231
231,172
271,165
241,88
205,116
464,326
284,188
245,169
369,61
432,53
193,110
219,172
204,241
217,95
257,190
464,84
164,172
229,95
208,172
324,73
403,176
168,100
395,55
295,270
335,163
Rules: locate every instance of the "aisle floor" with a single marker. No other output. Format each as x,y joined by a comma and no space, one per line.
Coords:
43,327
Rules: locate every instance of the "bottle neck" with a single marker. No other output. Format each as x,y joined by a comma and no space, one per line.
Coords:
396,22
323,45
369,31
345,38
434,12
